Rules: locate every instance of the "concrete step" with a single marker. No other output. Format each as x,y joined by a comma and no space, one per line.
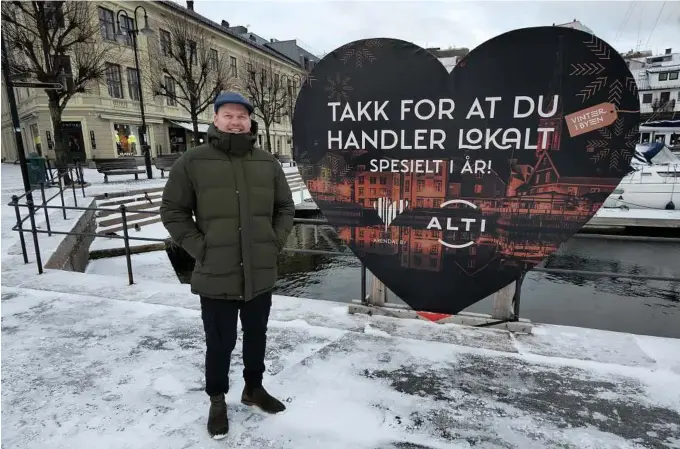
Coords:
131,228
131,199
131,218
134,207
140,192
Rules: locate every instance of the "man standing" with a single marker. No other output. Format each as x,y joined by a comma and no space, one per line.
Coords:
244,213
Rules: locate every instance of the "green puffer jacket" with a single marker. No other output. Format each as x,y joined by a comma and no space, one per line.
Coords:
244,213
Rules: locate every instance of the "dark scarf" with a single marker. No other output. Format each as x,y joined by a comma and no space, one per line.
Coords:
236,144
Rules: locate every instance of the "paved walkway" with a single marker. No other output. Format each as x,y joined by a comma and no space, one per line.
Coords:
81,370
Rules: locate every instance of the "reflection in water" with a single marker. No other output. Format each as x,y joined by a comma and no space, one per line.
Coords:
626,305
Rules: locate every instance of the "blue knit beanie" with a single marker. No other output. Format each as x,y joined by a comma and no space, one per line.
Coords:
232,97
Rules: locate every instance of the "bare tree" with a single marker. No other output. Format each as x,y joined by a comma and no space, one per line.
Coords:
268,92
56,42
187,68
293,85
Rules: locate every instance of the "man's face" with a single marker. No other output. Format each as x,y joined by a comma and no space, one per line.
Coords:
232,118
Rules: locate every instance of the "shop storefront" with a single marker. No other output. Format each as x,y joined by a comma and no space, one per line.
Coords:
181,135
128,142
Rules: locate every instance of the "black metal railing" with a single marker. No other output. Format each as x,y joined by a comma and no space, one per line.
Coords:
123,210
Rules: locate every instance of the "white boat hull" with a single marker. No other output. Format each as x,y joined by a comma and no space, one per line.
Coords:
650,186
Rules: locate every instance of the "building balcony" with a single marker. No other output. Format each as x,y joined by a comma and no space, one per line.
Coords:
664,106
658,106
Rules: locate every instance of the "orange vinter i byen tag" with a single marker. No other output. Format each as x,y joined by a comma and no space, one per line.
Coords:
595,117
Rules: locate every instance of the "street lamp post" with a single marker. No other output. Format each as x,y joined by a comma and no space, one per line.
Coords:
15,120
146,149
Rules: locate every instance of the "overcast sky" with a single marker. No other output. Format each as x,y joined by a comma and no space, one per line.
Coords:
324,26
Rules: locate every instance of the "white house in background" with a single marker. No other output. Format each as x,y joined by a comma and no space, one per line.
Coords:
658,81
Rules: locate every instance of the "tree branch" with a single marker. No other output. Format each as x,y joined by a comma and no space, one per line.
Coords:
198,73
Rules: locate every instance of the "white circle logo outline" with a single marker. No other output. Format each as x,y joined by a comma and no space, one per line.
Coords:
450,245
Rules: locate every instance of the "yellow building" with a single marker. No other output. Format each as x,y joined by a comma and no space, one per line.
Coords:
104,122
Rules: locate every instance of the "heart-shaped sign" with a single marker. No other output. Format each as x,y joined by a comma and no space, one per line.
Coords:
449,186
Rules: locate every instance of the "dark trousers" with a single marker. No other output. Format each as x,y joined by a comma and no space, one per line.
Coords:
219,322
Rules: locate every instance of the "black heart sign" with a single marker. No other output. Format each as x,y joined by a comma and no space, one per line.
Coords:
449,186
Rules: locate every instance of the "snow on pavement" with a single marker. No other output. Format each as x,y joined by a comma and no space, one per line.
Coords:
154,266
81,371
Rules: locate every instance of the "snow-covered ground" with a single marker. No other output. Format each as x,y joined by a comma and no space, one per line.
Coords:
154,266
112,366
89,361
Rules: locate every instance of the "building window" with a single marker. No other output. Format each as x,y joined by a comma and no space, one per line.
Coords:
54,14
673,75
479,188
361,191
436,203
419,203
361,179
133,83
646,98
192,54
126,140
663,76
213,58
106,24
407,185
62,64
420,185
233,66
251,72
114,81
126,26
166,43
438,186
170,91
35,135
372,180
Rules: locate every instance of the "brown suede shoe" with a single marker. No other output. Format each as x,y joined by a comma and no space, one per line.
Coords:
259,397
218,424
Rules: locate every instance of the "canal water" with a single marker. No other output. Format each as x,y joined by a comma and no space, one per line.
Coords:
625,305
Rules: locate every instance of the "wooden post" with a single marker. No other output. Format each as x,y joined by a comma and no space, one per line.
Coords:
377,293
502,302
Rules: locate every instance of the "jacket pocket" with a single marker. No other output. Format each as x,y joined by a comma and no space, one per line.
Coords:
277,242
195,245
204,248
